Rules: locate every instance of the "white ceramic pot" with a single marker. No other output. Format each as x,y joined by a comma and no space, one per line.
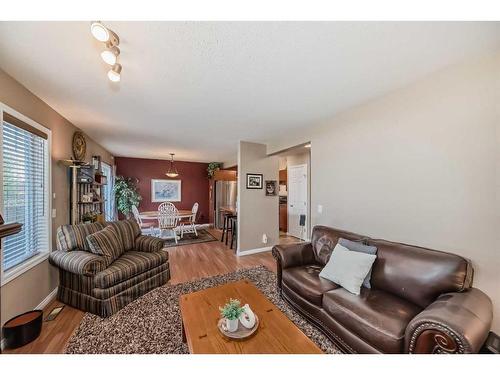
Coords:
232,324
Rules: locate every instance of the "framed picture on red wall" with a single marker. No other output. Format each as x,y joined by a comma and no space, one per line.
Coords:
166,190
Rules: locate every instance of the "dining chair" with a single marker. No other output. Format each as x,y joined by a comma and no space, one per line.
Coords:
142,225
188,225
168,218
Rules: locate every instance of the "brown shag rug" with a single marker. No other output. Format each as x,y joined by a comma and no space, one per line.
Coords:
152,323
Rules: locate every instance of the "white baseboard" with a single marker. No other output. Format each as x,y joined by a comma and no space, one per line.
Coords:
254,251
52,295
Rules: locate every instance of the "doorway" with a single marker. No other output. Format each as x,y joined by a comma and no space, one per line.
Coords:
297,201
294,192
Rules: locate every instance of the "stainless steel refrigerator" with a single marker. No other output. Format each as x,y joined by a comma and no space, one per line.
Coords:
225,197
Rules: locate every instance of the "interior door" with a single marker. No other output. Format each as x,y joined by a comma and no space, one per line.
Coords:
297,200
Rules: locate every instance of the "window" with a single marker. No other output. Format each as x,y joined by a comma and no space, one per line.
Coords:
109,197
25,194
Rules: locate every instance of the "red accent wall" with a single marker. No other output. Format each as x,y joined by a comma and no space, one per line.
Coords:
194,187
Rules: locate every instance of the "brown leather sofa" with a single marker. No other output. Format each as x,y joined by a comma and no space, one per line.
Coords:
421,300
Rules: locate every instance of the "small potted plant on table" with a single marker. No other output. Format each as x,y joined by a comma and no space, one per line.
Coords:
232,311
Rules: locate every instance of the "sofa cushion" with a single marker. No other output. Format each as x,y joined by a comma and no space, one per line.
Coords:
127,230
418,274
306,282
106,243
360,248
348,268
375,316
72,237
324,240
130,264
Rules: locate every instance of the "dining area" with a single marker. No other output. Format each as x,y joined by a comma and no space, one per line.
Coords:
168,222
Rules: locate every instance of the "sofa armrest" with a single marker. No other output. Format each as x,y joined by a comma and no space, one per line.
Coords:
454,323
148,244
78,262
292,255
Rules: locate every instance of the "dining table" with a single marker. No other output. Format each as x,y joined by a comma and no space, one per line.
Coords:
153,215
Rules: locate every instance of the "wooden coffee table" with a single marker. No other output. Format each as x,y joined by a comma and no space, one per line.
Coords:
276,333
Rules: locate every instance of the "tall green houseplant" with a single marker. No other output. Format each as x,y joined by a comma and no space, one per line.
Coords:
126,194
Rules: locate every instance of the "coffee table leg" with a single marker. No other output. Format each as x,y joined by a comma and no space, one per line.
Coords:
184,339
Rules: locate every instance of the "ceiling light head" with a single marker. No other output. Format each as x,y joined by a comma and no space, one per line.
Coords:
103,34
172,171
110,55
114,73
308,145
99,31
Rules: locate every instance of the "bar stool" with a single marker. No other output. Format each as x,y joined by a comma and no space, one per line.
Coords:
225,226
230,226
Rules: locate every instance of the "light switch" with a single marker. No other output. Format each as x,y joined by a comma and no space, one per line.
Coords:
320,208
54,213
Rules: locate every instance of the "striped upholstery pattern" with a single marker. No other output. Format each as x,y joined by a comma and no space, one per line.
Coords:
72,237
77,262
118,288
107,307
148,244
107,243
128,231
117,266
130,264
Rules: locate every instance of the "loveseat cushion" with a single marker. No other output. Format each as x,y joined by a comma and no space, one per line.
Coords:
72,237
375,316
128,231
306,282
106,243
130,264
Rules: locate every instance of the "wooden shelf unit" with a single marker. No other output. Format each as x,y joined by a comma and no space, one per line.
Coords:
83,183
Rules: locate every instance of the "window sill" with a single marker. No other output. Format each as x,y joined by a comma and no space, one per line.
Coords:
25,266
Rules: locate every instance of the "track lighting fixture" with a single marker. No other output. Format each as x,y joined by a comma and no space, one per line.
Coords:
111,53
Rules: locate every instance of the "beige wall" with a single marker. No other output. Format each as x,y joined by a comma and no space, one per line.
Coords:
28,290
257,213
420,165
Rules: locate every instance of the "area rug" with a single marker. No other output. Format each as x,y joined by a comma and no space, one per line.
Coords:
152,323
190,238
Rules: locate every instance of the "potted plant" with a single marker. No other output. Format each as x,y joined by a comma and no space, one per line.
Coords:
89,217
232,311
212,167
126,194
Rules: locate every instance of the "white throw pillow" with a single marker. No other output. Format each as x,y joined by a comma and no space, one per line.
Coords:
348,268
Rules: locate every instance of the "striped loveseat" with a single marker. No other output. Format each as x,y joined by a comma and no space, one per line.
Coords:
103,267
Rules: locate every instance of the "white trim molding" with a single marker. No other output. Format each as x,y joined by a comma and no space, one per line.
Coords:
23,267
45,302
254,251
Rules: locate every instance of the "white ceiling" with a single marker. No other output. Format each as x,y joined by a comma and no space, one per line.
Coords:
197,88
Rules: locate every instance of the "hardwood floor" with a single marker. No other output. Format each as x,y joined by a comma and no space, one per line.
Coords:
187,263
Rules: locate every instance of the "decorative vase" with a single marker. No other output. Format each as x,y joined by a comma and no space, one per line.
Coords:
247,319
232,324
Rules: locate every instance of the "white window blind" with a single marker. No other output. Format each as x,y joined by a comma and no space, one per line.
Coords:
24,199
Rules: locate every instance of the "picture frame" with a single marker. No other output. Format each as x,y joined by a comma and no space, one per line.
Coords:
271,188
166,190
254,181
